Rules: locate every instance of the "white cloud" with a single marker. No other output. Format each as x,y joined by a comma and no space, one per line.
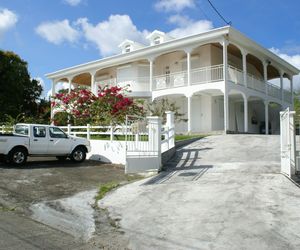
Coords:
8,20
108,34
187,26
58,32
174,5
294,60
73,2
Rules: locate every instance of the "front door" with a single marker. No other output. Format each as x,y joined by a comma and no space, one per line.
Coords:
59,142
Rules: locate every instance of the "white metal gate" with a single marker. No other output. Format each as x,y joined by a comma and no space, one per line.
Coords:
287,141
143,144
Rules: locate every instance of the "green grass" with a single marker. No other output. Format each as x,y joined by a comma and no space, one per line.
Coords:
186,137
7,209
107,187
104,189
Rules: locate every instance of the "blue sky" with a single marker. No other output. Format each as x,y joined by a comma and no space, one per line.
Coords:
51,35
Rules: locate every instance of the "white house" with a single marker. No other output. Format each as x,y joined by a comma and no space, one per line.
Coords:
220,79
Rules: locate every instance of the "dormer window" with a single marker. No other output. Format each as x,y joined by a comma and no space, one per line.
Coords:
156,40
127,48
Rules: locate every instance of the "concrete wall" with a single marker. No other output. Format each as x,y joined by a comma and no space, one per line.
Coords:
108,151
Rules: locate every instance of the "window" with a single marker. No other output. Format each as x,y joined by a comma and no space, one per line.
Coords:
57,133
127,48
157,40
39,131
21,129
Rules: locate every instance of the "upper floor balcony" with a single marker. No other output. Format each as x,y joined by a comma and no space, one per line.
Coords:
203,75
184,67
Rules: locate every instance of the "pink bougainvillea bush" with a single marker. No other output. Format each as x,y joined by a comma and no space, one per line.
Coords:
81,106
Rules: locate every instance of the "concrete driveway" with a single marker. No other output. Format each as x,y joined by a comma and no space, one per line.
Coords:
221,192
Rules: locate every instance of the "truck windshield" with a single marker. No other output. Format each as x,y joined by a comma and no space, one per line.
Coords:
21,129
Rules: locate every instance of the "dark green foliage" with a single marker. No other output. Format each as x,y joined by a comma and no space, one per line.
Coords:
19,95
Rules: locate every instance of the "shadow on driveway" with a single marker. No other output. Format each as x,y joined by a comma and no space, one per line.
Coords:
184,166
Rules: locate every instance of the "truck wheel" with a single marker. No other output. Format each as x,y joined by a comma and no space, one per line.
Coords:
17,156
78,154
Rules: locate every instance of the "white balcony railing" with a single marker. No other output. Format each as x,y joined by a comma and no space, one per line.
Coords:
274,90
255,83
177,79
207,74
287,96
235,75
198,76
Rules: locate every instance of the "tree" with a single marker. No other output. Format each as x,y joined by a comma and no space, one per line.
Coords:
160,106
19,93
109,107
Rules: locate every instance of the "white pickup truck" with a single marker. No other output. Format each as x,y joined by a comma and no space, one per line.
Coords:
41,140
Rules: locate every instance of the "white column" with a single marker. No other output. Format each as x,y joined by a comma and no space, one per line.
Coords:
265,68
188,59
70,84
225,61
292,91
244,55
225,76
226,112
53,84
245,114
189,100
281,85
151,74
93,86
267,117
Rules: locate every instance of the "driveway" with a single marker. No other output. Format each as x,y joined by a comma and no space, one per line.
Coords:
221,192
60,195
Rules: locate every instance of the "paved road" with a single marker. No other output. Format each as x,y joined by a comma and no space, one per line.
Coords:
222,192
20,232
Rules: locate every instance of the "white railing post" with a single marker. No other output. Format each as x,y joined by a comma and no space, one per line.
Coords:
69,129
111,133
281,86
171,128
88,130
154,125
3,129
244,55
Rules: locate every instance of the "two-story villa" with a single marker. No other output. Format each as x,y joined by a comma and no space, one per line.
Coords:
220,79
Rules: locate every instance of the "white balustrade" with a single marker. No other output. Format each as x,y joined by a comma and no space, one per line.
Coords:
177,79
207,74
235,75
274,90
287,96
256,83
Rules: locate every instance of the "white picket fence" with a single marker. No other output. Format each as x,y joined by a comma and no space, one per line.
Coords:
88,131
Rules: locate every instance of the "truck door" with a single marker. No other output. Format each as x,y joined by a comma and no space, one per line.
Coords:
39,140
59,142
